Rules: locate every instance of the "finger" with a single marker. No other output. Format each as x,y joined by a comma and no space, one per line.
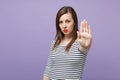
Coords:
84,25
89,30
88,27
81,27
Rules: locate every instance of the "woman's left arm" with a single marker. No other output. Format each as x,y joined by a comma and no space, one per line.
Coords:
84,36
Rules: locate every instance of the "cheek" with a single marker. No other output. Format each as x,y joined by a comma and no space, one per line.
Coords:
71,27
60,27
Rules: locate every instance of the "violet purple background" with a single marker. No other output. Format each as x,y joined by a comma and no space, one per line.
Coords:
27,28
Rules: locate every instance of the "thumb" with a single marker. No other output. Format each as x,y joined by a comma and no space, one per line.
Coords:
78,34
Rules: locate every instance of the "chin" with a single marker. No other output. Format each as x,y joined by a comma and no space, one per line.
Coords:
66,33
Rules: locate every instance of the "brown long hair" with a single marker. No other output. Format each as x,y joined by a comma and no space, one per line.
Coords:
59,35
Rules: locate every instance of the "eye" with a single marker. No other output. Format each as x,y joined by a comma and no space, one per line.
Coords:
60,22
67,21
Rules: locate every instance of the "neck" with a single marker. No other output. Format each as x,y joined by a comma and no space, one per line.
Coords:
66,40
67,37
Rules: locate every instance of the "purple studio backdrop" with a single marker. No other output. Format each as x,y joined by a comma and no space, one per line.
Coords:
27,28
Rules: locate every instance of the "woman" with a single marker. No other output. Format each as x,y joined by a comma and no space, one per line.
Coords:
69,49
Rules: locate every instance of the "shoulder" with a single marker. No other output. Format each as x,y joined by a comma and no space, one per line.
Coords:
76,43
52,43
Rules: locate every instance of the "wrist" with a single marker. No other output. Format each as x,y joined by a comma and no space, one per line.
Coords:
83,49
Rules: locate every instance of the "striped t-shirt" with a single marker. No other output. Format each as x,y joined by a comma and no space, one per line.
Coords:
65,65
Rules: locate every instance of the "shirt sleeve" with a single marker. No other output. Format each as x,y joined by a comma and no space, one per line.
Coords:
47,71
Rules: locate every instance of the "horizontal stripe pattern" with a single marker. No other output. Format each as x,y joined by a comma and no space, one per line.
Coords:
65,65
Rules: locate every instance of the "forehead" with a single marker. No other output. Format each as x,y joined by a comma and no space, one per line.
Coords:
66,16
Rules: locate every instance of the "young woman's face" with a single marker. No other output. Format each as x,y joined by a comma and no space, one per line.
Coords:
66,23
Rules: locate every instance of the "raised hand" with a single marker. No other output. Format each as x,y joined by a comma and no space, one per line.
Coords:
84,36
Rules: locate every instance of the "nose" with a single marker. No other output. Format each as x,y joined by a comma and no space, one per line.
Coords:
64,25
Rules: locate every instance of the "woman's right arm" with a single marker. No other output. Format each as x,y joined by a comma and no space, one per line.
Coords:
47,72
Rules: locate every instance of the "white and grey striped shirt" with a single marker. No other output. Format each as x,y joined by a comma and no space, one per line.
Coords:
64,65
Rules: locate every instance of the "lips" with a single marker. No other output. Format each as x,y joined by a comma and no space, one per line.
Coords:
65,30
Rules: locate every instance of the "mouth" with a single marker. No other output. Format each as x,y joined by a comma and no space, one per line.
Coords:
65,30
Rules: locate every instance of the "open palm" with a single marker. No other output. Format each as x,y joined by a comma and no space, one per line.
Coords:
84,36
